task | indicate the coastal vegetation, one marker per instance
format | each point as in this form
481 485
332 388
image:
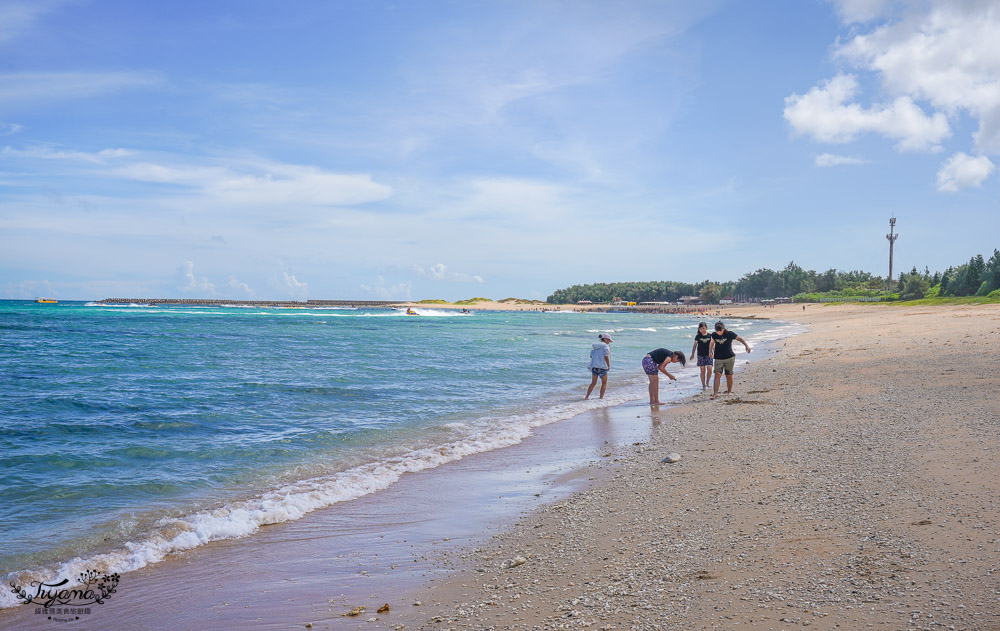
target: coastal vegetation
978 278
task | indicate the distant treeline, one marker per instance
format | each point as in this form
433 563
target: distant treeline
977 277
764 283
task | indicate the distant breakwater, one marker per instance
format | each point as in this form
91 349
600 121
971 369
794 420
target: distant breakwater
213 302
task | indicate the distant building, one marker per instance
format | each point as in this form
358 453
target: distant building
689 300
584 302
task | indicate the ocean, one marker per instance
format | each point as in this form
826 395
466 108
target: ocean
130 433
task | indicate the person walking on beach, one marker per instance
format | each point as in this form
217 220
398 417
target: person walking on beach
721 348
656 362
600 363
703 344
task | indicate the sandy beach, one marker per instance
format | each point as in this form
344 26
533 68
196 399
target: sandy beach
849 483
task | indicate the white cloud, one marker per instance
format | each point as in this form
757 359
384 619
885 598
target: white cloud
44 152
825 114
297 286
833 160
234 283
962 171
9 129
440 272
852 11
17 17
192 283
32 87
264 183
399 291
948 55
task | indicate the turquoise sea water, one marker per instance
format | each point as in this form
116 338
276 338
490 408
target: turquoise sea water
129 433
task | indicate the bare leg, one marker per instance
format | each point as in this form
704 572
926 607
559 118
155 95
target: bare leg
604 385
654 389
715 390
593 382
729 384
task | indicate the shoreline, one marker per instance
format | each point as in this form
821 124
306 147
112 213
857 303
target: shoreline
220 553
841 487
460 585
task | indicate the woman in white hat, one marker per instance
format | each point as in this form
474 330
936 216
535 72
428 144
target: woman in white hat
600 363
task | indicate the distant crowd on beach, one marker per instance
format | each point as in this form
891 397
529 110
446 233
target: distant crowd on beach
713 352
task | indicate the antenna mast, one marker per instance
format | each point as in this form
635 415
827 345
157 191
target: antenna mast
892 236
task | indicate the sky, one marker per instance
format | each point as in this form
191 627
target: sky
252 149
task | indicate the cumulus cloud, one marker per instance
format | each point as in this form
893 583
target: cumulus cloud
298 287
399 291
948 56
825 114
962 170
234 283
194 284
942 54
833 160
440 271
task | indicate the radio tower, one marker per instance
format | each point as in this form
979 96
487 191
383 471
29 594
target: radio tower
892 236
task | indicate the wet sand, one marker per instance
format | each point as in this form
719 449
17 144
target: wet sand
369 550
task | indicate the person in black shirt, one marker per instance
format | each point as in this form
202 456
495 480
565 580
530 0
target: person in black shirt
656 362
702 344
721 350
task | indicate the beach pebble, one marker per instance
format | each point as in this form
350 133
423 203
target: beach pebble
671 458
514 562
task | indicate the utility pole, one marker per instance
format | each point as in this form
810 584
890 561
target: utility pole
892 236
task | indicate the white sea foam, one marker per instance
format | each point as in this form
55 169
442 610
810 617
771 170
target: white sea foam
293 501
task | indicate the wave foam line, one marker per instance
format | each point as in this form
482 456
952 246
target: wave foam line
294 501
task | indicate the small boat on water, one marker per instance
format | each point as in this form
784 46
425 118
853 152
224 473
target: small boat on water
46 301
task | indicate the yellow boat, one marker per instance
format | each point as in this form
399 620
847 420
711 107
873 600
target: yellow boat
46 301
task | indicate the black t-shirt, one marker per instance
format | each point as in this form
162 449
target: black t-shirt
724 345
703 342
659 355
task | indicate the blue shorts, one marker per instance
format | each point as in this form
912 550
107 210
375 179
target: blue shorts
599 372
704 360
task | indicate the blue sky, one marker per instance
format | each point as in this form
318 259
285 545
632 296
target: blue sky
392 150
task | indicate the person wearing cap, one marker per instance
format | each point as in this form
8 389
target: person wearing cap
600 363
721 349
656 362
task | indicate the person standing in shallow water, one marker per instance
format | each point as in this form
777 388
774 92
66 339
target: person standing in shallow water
656 362
600 363
702 344
721 350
